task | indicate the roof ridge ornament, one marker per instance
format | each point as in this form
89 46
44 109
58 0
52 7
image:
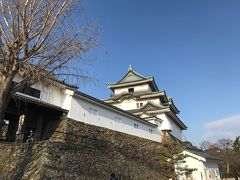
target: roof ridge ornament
130 68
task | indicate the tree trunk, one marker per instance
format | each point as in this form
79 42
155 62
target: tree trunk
228 169
5 95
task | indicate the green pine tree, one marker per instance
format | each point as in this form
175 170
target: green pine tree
236 144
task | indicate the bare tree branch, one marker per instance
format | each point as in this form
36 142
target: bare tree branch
38 40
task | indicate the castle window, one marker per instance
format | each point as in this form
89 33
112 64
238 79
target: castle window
139 105
117 120
150 131
131 90
135 125
29 91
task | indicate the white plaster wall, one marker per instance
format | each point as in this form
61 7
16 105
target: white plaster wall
68 95
155 101
144 115
49 93
201 165
198 174
168 124
211 166
176 131
127 104
139 88
90 113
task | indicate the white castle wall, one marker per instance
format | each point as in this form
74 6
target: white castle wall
87 112
129 104
138 88
168 124
84 111
91 113
49 93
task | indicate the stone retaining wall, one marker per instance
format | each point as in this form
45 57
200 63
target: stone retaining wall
80 151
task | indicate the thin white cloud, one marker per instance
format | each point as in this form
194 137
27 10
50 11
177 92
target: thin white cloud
228 127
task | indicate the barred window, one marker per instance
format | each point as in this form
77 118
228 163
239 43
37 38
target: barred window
136 126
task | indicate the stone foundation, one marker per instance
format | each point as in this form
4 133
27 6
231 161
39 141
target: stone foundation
80 151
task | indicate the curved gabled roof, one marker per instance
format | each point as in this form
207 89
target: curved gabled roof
133 78
201 153
151 106
171 104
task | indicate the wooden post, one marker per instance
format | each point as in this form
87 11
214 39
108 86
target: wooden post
20 130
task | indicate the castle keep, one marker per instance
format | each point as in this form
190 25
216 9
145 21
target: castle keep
141 96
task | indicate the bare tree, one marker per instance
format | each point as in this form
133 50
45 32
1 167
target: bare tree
38 41
224 150
205 145
225 144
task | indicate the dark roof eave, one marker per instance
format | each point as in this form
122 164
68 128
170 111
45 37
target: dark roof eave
155 85
177 120
135 73
164 97
174 107
62 83
202 154
149 80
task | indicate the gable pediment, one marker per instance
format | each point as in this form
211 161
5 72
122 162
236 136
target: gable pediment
126 96
128 100
151 107
131 76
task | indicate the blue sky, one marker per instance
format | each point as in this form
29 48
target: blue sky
192 48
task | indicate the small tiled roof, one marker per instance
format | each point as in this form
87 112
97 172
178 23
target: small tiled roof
148 107
171 104
176 119
152 118
132 78
151 106
199 152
